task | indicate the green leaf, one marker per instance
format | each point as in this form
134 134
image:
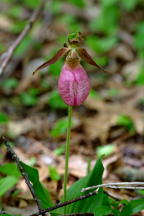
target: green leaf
3 118
41 192
90 204
60 150
10 169
7 183
78 3
31 3
17 27
133 207
28 99
140 78
59 128
53 173
126 122
71 22
112 92
105 150
55 101
6 215
138 38
55 68
10 83
106 3
101 45
15 11
129 4
107 21
26 43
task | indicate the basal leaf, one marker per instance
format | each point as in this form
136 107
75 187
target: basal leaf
7 183
133 207
92 203
41 192
10 169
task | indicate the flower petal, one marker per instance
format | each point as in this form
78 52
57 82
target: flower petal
73 85
58 55
86 57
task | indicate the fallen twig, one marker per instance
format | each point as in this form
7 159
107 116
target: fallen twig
6 57
59 205
118 185
25 176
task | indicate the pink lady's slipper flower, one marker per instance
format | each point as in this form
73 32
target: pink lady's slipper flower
73 83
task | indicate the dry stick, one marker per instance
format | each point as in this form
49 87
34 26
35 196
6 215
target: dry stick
6 57
59 205
25 176
118 185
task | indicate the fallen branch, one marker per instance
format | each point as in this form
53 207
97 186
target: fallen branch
118 185
6 57
59 205
25 176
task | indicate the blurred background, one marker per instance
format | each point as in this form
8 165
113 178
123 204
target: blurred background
32 114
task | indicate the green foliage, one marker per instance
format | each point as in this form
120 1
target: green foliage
13 176
95 94
140 77
59 128
15 11
18 26
55 68
100 45
126 122
71 22
60 150
55 101
129 4
138 39
32 3
97 204
56 7
6 215
7 183
10 169
105 150
2 47
107 3
132 207
79 3
107 21
10 83
3 118
24 46
113 92
101 60
29 98
41 192
53 173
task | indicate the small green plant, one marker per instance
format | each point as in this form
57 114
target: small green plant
3 118
59 128
126 122
53 173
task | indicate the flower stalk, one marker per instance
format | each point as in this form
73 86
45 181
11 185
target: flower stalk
67 151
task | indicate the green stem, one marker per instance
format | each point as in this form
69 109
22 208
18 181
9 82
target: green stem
67 150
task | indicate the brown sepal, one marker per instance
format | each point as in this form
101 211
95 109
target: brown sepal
86 57
58 55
